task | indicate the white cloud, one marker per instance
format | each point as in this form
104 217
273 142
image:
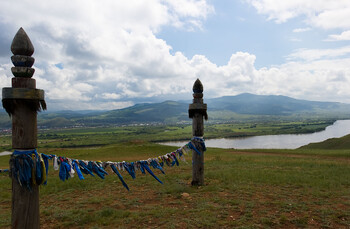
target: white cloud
344 36
318 54
5 79
326 79
108 49
110 96
322 13
321 74
333 18
319 79
193 10
111 56
301 30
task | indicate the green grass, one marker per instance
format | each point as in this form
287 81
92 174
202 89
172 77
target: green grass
304 188
332 143
304 151
260 189
99 136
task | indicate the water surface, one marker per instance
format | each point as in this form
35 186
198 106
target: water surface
283 141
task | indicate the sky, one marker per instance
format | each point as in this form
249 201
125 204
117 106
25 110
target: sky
111 54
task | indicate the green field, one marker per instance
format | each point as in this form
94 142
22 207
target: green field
304 188
99 136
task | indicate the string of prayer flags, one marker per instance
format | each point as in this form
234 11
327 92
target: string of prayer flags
28 168
31 167
119 176
200 145
77 169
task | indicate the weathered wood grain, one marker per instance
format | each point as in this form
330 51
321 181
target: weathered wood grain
198 111
21 101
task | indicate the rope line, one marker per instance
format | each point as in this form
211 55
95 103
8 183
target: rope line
31 168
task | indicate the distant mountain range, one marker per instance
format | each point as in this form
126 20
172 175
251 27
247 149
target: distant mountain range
273 105
243 107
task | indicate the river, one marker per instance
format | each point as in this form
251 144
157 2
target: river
339 128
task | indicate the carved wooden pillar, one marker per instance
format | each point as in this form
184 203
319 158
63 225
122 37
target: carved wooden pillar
22 101
197 110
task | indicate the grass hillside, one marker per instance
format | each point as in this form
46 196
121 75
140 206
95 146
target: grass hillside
332 143
282 189
303 188
165 112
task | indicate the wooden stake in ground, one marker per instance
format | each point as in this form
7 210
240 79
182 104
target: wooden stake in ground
22 101
197 110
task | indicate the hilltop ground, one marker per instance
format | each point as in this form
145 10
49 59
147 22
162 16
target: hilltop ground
289 189
243 189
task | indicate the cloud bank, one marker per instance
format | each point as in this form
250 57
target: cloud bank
106 54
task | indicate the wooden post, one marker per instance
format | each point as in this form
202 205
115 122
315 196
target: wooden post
22 101
197 110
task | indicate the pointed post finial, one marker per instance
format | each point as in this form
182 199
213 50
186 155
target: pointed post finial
197 86
21 44
22 49
198 99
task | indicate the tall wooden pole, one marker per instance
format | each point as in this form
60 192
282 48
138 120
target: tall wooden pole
197 110
22 101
